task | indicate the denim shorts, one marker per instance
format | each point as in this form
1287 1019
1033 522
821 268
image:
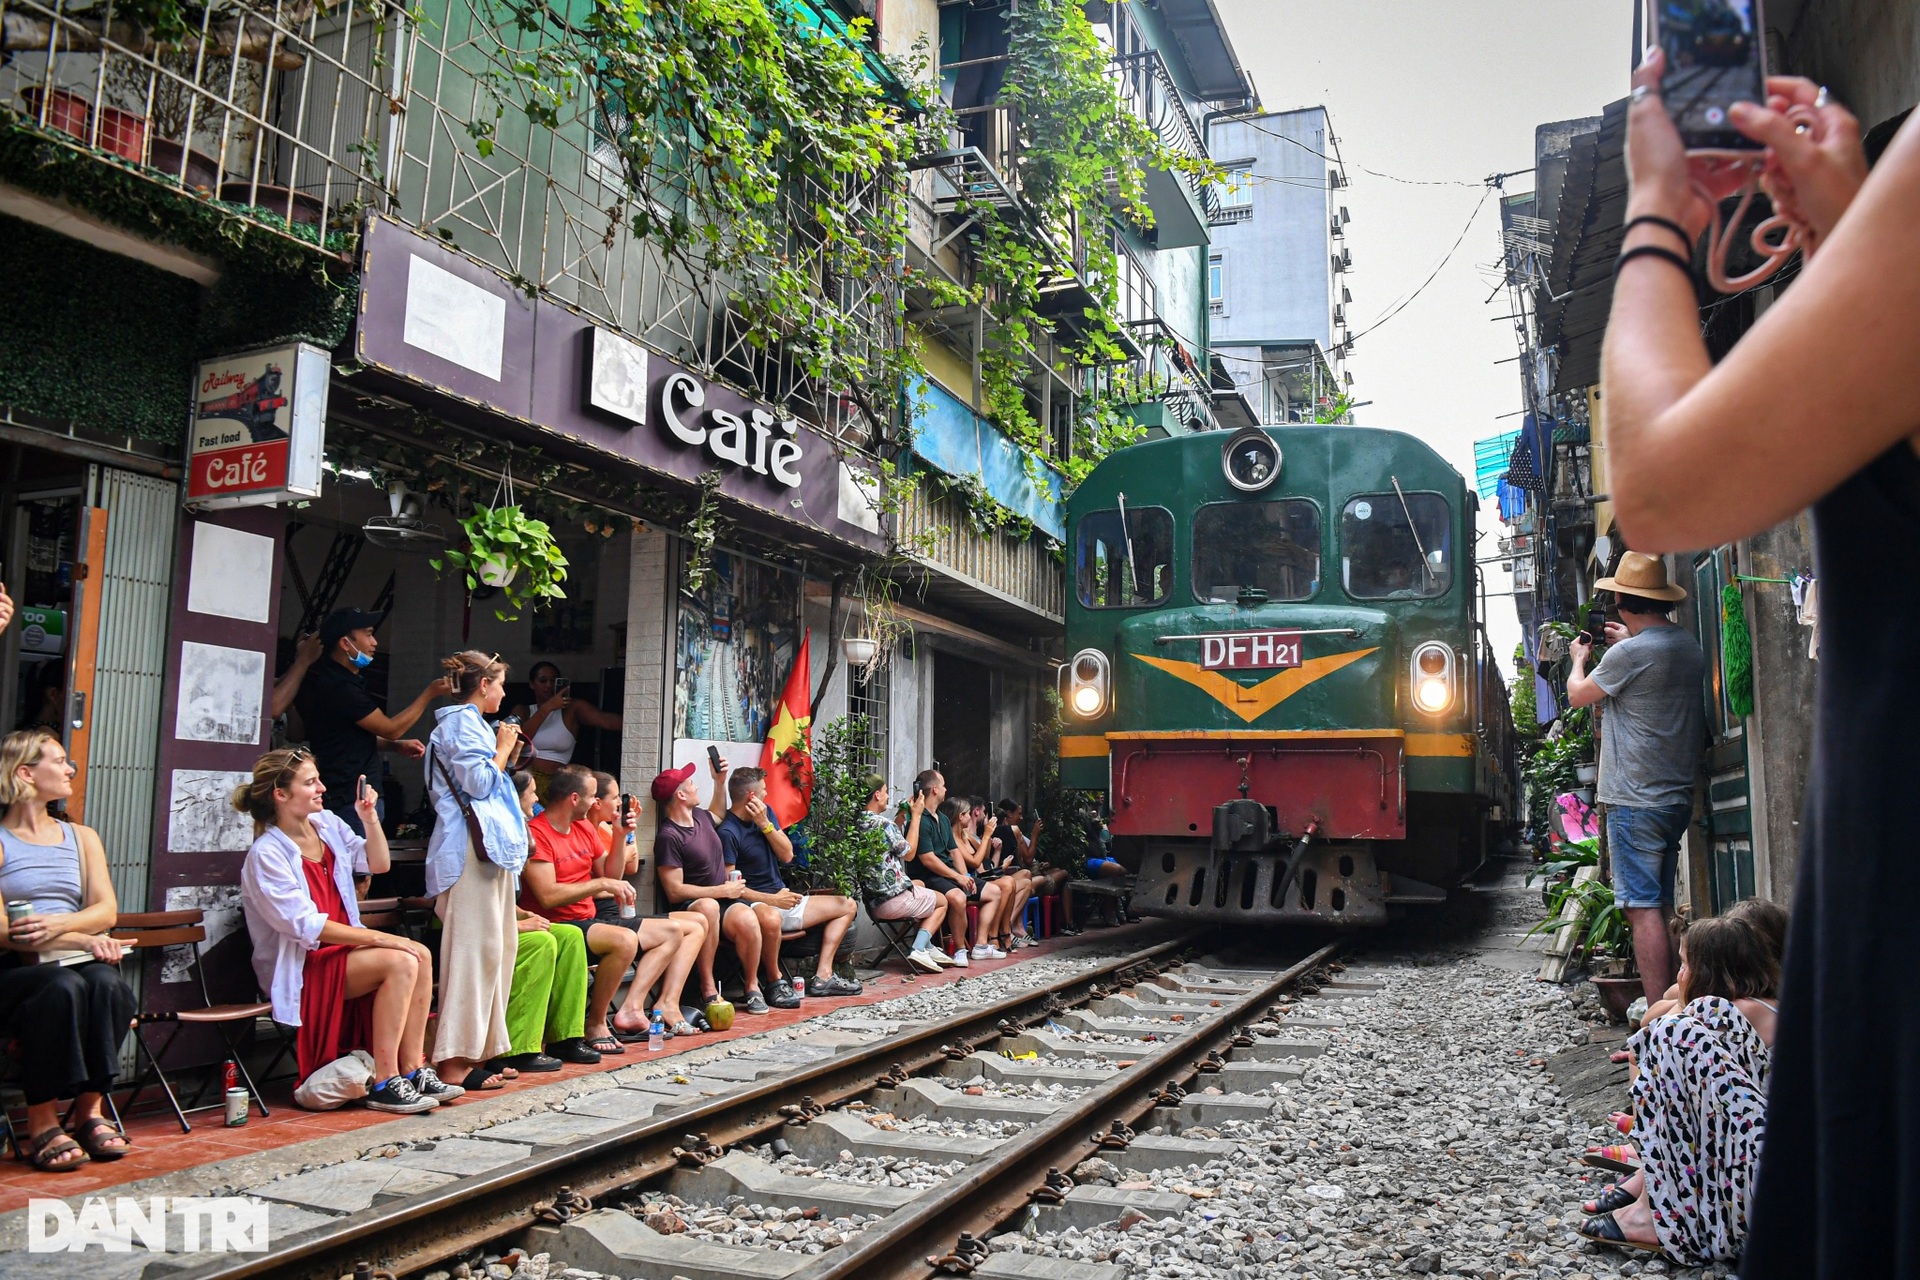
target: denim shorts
1644 847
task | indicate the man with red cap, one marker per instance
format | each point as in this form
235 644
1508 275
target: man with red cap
693 876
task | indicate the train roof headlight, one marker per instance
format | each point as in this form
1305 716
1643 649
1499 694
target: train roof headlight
1250 459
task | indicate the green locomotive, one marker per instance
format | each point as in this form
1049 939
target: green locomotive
1279 674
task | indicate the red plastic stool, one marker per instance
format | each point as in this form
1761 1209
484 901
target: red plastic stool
1046 914
973 922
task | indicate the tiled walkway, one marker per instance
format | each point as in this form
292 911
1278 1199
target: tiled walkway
160 1148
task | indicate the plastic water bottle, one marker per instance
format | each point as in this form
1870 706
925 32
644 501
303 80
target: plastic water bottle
656 1034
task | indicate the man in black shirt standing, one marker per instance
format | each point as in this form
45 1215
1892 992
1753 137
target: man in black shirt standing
345 725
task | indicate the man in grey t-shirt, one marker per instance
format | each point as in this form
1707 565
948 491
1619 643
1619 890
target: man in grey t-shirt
1651 731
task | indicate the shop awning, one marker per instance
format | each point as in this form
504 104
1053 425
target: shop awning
951 437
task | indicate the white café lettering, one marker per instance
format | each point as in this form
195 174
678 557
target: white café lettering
250 468
747 442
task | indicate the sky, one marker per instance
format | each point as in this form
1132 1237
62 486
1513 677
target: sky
1438 91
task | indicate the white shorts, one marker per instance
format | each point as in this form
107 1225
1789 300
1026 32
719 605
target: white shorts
792 918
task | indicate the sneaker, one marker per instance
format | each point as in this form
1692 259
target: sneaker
958 959
987 951
939 956
784 996
833 985
757 1003
399 1095
924 960
427 1082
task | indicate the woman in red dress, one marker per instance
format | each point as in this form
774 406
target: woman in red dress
343 986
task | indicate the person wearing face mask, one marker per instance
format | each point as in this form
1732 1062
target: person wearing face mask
346 726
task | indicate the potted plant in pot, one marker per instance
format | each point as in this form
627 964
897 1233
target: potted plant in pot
843 848
1601 930
508 549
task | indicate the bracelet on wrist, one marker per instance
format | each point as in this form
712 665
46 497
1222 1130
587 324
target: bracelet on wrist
1665 224
1653 251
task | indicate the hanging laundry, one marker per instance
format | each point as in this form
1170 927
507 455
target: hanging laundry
1806 609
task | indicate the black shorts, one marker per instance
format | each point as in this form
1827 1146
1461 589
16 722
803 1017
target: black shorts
607 911
943 886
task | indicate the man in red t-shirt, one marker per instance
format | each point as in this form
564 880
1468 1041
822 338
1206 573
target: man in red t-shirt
558 883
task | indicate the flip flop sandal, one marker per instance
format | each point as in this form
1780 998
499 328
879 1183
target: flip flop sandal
1609 1200
91 1138
45 1150
1605 1229
608 1044
477 1078
685 1029
502 1068
625 1037
1619 1158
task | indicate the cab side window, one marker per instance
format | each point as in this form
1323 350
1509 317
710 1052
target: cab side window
1124 561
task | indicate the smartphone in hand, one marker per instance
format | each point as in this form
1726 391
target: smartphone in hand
713 757
1716 56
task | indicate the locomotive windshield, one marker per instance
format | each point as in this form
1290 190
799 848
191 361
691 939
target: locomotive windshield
1124 561
1272 546
1392 549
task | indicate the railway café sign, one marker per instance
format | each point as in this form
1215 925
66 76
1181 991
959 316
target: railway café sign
259 427
431 317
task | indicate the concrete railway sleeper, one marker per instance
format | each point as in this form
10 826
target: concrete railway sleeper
898 1158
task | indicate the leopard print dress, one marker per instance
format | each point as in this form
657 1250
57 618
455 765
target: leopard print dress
1700 1116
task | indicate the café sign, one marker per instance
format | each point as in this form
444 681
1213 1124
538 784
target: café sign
259 427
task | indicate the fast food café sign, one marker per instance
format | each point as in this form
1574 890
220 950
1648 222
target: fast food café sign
258 429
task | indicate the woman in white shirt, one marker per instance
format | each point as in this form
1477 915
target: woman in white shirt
343 986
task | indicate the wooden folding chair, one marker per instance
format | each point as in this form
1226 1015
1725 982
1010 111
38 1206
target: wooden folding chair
146 930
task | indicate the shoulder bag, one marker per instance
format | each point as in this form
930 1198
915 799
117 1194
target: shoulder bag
474 832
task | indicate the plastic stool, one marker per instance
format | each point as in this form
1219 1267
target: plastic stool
1046 914
973 923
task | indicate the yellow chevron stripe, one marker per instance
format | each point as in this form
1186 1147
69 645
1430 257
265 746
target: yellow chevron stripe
1252 703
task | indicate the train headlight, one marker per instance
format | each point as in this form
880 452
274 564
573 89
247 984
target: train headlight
1250 459
1088 682
1431 676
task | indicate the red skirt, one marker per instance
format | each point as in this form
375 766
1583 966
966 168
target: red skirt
331 1025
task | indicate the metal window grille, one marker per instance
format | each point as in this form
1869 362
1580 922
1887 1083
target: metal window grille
867 698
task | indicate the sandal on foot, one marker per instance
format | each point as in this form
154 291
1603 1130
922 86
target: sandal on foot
1605 1229
606 1044
476 1080
503 1067
95 1132
1610 1199
1619 1158
45 1149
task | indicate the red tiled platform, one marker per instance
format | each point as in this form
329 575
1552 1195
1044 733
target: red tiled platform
160 1148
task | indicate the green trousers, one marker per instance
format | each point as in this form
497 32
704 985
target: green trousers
548 1002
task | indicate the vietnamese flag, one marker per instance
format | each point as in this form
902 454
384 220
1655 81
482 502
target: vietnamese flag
788 754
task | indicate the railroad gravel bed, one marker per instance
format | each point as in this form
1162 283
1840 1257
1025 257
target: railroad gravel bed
1428 1140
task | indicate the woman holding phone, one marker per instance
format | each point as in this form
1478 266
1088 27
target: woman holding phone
1809 408
467 760
343 986
552 724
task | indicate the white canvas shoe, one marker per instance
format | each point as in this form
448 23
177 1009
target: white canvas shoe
924 960
959 960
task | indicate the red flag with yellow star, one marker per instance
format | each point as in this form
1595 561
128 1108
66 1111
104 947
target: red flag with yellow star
788 754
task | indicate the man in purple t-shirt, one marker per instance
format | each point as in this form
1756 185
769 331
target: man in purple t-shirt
693 873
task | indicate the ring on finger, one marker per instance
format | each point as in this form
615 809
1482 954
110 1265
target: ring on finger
1640 91
1821 98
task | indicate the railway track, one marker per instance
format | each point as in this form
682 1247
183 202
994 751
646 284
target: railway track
981 1113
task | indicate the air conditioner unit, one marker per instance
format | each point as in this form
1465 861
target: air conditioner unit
1338 265
1346 294
1345 217
1339 315
1333 228
1346 259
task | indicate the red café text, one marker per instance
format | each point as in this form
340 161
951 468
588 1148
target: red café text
248 469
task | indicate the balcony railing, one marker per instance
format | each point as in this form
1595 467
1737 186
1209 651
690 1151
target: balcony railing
1021 571
299 117
1147 87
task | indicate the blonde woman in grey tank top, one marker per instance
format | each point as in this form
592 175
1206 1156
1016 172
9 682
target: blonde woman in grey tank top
61 993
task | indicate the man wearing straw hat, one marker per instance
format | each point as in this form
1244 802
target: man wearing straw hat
1650 740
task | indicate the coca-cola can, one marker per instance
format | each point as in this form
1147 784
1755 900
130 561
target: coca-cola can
237 1103
232 1075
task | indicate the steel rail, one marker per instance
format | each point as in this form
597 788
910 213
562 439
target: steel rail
994 1189
428 1229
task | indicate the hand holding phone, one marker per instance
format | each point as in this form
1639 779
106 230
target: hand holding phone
714 761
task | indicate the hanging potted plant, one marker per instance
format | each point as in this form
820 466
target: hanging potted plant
508 549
